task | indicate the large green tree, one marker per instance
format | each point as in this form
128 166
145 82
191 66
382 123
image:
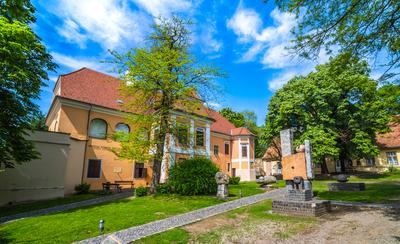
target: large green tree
158 79
24 63
337 107
363 27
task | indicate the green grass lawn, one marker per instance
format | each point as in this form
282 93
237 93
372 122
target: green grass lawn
248 217
82 223
29 206
383 188
380 188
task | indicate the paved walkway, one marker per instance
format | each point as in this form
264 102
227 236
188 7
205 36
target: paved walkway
365 205
65 207
138 232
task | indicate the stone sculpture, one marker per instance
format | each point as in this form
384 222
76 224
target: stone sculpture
222 180
297 171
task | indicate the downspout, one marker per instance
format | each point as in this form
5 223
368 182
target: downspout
86 142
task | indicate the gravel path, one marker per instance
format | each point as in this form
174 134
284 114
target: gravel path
137 232
65 207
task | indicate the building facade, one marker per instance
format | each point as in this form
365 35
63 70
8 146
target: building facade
87 105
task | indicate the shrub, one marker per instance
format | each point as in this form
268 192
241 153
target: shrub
164 188
193 176
82 188
234 180
141 191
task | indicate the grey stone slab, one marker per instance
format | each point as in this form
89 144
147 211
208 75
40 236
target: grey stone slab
66 207
141 231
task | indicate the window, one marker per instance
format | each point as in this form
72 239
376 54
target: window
94 168
182 135
216 149
370 161
122 127
229 167
200 137
140 170
227 148
244 150
392 158
98 128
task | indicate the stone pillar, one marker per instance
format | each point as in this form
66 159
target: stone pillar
208 142
287 142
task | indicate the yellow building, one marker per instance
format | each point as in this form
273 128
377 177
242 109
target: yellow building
87 105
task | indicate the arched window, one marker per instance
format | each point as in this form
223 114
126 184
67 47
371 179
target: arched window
98 128
122 127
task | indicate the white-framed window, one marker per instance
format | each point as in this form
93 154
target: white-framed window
183 135
122 127
200 137
94 168
98 128
392 158
226 147
244 148
370 161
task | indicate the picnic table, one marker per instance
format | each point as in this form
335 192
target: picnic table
107 186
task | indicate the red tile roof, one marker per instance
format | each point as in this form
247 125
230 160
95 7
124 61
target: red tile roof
390 139
273 151
93 87
241 131
221 124
89 86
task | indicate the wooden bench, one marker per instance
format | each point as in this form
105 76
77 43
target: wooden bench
108 185
125 182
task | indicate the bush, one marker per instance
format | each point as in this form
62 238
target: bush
193 176
82 188
164 188
234 180
141 191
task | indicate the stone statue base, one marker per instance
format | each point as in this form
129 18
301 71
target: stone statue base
222 191
340 186
313 208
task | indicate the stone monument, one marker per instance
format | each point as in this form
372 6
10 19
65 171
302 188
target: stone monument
222 182
297 171
343 185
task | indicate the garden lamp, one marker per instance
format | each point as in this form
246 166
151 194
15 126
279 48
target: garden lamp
101 225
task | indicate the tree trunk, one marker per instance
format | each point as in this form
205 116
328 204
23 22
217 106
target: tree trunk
324 167
342 159
164 129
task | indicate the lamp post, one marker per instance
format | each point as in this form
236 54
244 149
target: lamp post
101 226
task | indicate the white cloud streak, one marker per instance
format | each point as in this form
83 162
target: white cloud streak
110 23
269 45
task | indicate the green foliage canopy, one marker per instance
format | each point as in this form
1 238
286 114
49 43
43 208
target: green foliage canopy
24 64
157 80
362 27
337 107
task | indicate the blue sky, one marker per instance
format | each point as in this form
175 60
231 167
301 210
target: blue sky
244 38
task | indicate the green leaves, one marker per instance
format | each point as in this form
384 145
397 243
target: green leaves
24 64
338 108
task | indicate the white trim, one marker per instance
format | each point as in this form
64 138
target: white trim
208 141
87 168
191 137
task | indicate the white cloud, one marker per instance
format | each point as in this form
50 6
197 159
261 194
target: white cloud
268 45
111 23
213 105
209 43
78 62
164 7
245 23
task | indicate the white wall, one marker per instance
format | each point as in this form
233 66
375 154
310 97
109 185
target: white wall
39 179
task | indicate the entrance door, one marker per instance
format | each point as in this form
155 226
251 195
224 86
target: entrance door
338 166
